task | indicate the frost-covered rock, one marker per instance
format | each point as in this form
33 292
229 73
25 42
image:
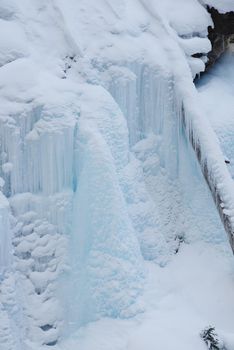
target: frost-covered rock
221 34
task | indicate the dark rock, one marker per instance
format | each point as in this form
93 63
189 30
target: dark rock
211 339
46 327
52 343
179 239
221 35
198 55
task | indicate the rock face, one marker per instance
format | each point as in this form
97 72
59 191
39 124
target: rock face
221 35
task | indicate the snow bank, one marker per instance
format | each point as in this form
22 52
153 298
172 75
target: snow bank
187 18
93 153
185 294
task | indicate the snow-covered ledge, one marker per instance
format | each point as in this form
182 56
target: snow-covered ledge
205 144
213 166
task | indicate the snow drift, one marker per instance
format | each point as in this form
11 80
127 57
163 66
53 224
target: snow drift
96 164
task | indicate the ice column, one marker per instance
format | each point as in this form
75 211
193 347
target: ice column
107 266
5 234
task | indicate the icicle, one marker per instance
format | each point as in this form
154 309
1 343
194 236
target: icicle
5 234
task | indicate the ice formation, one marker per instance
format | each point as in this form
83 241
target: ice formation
5 245
96 166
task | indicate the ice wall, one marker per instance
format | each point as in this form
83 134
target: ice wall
95 161
147 87
5 234
168 163
107 262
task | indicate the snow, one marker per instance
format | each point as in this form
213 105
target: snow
13 42
115 236
5 234
178 311
222 6
218 86
192 19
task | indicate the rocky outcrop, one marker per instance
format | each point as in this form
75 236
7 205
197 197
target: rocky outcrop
221 35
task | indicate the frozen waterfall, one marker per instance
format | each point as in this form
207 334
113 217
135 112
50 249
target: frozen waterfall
5 234
102 148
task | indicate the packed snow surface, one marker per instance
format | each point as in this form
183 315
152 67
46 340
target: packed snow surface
109 238
196 290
